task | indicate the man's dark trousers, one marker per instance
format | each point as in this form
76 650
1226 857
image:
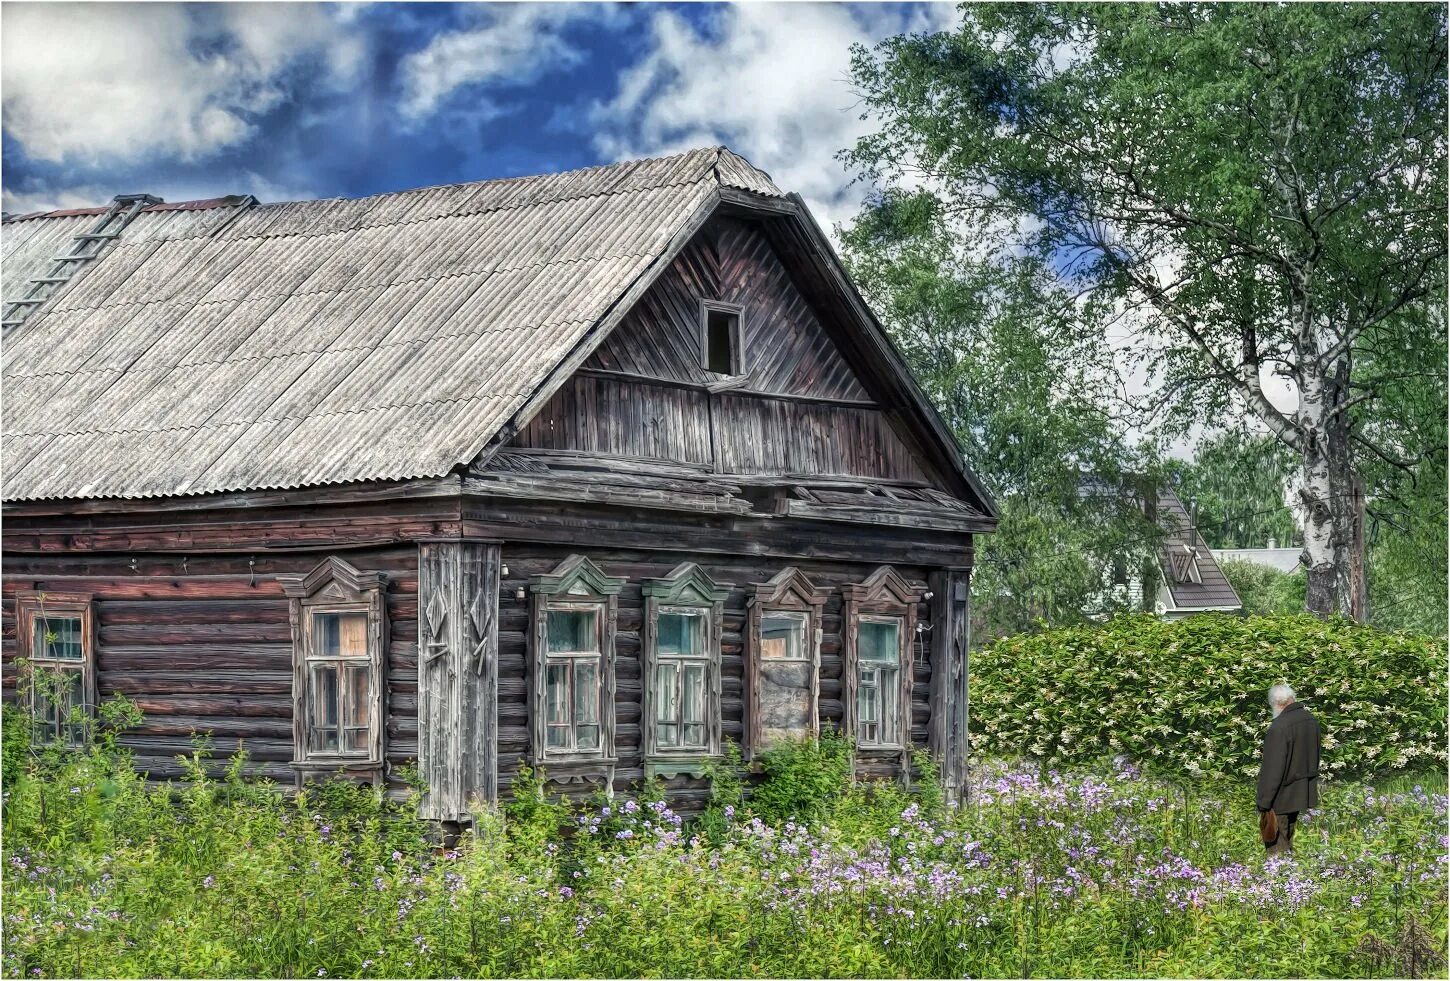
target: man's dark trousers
1289 772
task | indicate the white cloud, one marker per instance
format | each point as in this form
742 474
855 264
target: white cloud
770 80
123 81
512 44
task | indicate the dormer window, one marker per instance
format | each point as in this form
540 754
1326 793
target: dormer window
720 338
1185 565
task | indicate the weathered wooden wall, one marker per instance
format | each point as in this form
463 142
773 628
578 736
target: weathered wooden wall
798 408
525 560
200 640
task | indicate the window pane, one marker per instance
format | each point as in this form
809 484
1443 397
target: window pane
693 710
340 634
879 641
556 697
56 693
682 633
586 692
782 637
666 692
571 631
323 710
359 709
588 736
58 638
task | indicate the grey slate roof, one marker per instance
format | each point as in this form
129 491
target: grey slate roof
1214 591
315 342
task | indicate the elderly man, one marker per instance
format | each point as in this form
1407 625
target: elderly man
1288 771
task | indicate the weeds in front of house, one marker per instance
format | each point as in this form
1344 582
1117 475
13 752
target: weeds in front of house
1041 874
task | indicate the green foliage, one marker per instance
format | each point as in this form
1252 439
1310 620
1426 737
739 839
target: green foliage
997 346
1237 481
1089 874
1265 591
1190 696
802 780
1228 195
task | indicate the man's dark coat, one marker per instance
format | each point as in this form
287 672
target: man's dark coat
1289 771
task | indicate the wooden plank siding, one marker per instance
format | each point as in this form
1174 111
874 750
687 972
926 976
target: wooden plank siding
210 651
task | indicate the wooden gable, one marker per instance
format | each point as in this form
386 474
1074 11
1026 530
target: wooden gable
798 406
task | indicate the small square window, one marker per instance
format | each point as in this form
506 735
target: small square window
720 339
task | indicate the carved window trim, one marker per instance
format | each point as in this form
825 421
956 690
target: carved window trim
883 594
33 609
335 586
575 584
686 589
788 591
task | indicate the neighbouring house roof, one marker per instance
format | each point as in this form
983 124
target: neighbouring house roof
228 345
1283 559
1191 576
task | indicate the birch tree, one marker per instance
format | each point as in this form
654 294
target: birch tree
1259 189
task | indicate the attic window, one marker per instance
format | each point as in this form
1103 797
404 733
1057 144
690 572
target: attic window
720 347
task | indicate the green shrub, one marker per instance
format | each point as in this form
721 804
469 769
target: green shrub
802 780
1190 696
1265 591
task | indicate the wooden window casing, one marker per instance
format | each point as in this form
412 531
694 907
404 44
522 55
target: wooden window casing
577 588
788 598
55 634
339 638
675 739
883 601
722 325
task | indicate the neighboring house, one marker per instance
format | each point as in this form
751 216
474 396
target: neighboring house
1192 580
591 471
1179 577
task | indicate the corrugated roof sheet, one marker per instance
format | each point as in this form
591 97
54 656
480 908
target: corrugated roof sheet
1213 592
278 346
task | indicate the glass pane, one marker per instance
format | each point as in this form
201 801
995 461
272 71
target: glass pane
588 736
323 712
586 693
359 709
58 638
571 631
558 736
556 697
782 637
879 641
867 697
667 735
694 693
682 634
340 634
666 691
56 694
890 706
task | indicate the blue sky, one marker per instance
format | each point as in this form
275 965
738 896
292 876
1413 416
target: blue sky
290 101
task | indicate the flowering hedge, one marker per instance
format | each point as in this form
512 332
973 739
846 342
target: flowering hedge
1190 696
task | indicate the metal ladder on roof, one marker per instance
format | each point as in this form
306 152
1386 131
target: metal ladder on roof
85 247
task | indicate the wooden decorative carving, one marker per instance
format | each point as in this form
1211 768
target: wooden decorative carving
788 592
577 584
884 594
687 589
458 584
334 586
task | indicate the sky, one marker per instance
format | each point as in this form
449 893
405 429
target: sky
289 101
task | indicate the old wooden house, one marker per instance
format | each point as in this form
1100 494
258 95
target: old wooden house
594 471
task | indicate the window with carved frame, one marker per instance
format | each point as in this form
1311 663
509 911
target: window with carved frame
879 623
55 637
783 660
682 631
339 648
574 612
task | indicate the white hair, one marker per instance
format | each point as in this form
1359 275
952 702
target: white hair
1280 695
